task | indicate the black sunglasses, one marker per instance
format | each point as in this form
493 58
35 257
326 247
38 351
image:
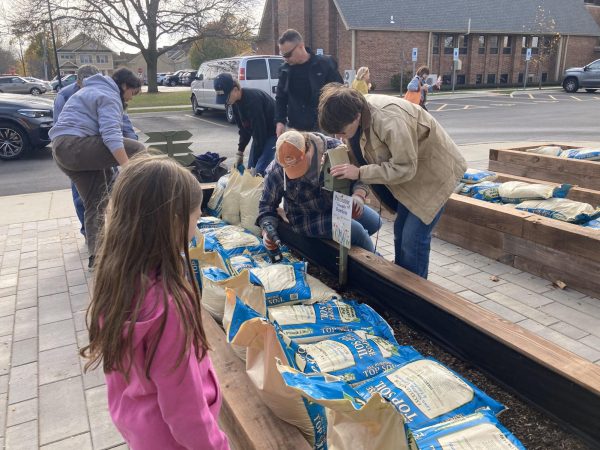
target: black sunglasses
286 55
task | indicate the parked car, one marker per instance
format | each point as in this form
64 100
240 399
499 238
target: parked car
18 85
173 79
160 77
259 72
65 80
37 80
586 77
186 78
24 124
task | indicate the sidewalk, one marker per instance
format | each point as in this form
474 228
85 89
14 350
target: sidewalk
47 402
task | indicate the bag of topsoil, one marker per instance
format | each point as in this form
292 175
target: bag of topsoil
561 209
548 150
477 431
589 154
519 191
230 210
209 223
353 357
250 195
311 323
486 190
232 240
283 283
473 176
423 391
215 203
592 224
352 422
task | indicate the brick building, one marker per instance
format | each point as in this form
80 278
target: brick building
492 36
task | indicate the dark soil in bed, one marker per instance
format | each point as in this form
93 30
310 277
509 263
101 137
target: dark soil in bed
533 428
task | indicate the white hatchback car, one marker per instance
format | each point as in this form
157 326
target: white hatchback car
258 72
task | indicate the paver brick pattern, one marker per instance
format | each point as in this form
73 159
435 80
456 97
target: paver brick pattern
46 401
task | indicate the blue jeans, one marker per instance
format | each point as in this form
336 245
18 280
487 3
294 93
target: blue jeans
412 241
79 208
362 228
268 154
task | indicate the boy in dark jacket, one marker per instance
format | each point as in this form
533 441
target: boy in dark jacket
301 78
254 112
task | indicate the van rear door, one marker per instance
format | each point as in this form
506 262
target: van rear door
257 75
274 65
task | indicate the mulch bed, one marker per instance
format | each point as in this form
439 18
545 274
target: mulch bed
533 428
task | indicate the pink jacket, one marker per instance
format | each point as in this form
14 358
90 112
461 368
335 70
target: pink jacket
174 409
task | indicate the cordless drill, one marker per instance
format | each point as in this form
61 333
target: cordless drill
271 231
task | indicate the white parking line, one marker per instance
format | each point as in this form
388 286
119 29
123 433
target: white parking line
207 121
552 97
576 98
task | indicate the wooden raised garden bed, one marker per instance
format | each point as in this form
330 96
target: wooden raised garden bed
517 161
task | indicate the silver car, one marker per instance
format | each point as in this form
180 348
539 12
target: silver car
586 77
19 85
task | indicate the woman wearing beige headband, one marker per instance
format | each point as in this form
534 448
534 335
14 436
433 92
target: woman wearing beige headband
362 82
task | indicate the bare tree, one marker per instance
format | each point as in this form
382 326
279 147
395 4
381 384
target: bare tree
544 28
144 24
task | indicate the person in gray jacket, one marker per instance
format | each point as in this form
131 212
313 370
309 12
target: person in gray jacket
87 142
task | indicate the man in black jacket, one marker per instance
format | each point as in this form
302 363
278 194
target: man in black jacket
301 78
254 112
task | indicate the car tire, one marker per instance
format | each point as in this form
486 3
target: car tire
571 85
14 142
173 83
229 114
591 91
35 91
195 107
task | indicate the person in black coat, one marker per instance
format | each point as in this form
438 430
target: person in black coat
301 79
254 112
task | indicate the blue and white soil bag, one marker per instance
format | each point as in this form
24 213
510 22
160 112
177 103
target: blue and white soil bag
474 176
477 431
520 191
353 356
310 323
561 209
283 283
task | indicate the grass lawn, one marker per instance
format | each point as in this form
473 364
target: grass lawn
161 99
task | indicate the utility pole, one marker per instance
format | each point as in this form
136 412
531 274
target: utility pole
45 46
54 46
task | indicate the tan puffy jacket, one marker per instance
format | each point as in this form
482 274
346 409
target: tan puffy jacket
408 151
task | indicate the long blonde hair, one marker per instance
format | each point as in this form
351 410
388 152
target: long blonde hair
362 72
145 232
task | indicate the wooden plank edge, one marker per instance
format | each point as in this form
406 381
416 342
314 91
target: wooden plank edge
247 421
564 385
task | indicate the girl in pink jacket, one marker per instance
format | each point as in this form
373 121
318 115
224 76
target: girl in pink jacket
145 323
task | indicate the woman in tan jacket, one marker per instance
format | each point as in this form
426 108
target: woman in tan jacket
405 155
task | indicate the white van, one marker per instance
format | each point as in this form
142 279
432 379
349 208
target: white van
258 72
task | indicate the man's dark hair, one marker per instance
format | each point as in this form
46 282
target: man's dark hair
338 107
125 76
290 35
422 71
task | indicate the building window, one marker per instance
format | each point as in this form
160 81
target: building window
544 77
71 57
85 59
535 44
521 77
523 45
479 78
448 45
463 44
507 45
491 78
436 44
461 79
504 78
447 79
481 45
493 45
102 59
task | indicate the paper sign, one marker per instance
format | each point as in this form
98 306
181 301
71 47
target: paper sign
319 51
415 53
528 54
342 219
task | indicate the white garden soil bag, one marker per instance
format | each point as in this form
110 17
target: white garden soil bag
250 195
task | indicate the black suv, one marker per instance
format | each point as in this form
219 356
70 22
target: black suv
173 79
24 124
